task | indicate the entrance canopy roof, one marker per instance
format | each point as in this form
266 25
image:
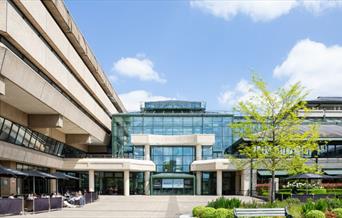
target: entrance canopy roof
170 140
173 176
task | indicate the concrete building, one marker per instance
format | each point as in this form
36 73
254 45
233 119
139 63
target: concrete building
55 100
59 113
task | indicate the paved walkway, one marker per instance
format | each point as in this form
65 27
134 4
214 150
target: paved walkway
133 207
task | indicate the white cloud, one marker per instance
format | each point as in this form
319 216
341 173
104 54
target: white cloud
243 91
318 67
133 100
262 10
137 67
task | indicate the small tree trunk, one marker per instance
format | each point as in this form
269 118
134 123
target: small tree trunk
272 186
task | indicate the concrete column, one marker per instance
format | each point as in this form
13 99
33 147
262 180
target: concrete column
147 182
246 181
9 185
198 152
91 181
198 182
2 86
126 183
219 182
53 182
147 152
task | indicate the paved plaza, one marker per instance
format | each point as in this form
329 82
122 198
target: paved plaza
133 207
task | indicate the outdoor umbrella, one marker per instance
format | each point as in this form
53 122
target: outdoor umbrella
39 174
64 176
308 176
7 172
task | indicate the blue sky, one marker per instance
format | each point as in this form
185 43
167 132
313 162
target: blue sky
206 50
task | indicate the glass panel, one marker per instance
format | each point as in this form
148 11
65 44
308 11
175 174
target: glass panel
5 130
20 136
14 132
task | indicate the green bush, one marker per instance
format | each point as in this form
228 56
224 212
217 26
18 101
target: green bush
224 213
208 212
225 203
315 214
334 203
318 191
308 206
197 211
338 212
321 204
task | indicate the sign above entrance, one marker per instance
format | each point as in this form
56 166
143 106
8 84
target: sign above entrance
173 183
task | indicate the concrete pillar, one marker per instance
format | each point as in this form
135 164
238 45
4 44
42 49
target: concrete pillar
147 182
147 152
219 182
246 181
2 86
45 121
198 182
126 183
9 185
53 183
91 180
198 152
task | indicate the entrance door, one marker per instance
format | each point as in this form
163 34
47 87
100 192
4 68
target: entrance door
172 186
228 183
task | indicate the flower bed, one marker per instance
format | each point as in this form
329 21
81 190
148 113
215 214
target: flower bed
223 208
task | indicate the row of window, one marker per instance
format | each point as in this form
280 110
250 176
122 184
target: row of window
17 134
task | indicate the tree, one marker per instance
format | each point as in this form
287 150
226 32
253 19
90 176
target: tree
272 127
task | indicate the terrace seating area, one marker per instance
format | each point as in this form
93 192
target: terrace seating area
44 202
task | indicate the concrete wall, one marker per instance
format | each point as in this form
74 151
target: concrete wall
70 29
44 22
13 114
29 81
25 155
30 44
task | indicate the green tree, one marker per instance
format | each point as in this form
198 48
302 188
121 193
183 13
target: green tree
272 127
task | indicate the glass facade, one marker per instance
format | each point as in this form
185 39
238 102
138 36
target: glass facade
160 122
109 183
172 159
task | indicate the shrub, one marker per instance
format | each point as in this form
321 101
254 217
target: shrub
334 203
338 212
318 191
295 210
322 205
197 211
308 206
315 214
208 212
224 213
217 203
225 203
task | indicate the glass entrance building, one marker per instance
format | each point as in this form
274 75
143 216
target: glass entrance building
173 174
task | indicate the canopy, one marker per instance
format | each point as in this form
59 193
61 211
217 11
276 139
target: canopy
173 175
60 175
36 173
333 172
269 173
11 172
310 176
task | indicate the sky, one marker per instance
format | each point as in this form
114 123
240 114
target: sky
208 50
